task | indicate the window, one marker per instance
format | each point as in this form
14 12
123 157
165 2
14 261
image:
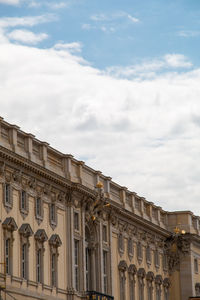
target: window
158 283
196 265
165 262
150 279
24 261
148 255
39 265
23 200
121 244
9 226
122 279
76 264
132 270
76 221
139 252
54 243
53 269
130 248
156 258
38 207
105 271
7 256
53 212
87 267
40 239
7 194
104 233
141 275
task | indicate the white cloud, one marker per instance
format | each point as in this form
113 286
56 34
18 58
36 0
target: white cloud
149 68
177 61
27 37
145 134
25 21
188 33
10 2
133 19
72 47
102 17
52 5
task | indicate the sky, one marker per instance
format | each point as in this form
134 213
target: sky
114 83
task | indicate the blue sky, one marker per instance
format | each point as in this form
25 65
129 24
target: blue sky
115 83
117 33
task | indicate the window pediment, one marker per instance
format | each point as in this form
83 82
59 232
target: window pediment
9 224
55 241
41 235
26 230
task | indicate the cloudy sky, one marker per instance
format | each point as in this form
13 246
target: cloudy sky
115 83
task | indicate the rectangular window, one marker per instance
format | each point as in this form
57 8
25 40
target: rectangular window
23 200
76 264
53 270
39 265
104 233
196 265
38 207
105 272
87 267
53 212
24 261
7 255
76 221
7 194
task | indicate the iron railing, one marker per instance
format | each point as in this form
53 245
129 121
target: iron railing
92 295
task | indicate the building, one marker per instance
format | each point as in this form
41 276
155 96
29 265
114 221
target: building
69 232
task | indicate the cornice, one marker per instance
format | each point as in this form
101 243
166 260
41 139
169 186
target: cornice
126 215
27 164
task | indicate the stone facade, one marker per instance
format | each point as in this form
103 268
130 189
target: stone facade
69 232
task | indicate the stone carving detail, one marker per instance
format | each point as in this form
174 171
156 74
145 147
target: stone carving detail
150 276
17 176
9 224
176 246
32 183
132 269
40 237
26 230
141 273
95 207
122 266
166 284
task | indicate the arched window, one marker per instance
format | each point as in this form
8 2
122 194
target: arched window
9 226
40 238
54 243
25 232
141 275
122 279
150 279
166 285
132 270
158 282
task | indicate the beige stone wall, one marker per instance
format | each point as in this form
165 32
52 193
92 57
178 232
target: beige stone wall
30 219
